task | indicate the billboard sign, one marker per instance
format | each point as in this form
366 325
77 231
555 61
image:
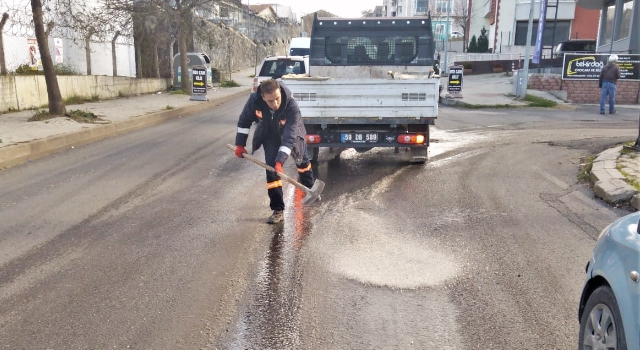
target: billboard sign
455 79
588 66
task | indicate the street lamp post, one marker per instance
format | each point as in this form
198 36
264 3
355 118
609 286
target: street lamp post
446 40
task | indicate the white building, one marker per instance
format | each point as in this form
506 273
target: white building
506 22
443 13
21 48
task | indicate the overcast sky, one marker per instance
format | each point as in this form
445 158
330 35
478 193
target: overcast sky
342 8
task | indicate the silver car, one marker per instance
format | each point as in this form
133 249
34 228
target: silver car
609 310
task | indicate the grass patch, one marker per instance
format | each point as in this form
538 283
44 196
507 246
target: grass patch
168 107
229 83
178 92
628 151
531 100
42 115
75 99
584 173
535 101
628 178
77 115
83 116
474 106
252 76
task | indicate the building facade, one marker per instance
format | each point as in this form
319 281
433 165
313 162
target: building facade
507 23
619 24
445 14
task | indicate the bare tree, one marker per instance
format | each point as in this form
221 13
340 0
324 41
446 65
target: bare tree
3 64
87 47
461 18
56 105
114 58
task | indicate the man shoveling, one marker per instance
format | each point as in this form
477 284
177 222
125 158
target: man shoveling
282 134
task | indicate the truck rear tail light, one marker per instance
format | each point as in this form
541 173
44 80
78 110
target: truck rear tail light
414 139
313 139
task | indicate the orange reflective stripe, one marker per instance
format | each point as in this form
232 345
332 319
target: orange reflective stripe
304 170
274 184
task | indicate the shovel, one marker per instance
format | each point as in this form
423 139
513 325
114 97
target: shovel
312 194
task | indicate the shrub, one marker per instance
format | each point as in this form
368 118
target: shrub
483 41
473 45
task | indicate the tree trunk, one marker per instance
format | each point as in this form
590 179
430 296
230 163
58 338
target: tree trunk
156 60
171 59
87 48
3 64
184 68
114 60
56 105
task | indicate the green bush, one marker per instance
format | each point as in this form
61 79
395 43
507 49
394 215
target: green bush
483 41
25 69
473 45
229 83
61 69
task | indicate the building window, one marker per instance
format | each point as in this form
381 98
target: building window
608 16
422 6
399 10
439 29
562 32
442 6
624 24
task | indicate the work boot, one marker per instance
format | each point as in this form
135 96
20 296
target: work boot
276 217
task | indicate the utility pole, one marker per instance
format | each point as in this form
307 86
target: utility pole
255 66
446 41
523 80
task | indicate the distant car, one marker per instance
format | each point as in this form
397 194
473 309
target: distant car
277 66
575 46
609 309
455 34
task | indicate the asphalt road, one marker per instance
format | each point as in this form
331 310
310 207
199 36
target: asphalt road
156 240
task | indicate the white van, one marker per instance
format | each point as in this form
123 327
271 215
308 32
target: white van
299 46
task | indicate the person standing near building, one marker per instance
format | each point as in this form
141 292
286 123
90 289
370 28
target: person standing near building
281 132
609 76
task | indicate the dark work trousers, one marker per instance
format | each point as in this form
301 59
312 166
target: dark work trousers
274 183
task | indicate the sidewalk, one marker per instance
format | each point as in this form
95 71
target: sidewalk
22 141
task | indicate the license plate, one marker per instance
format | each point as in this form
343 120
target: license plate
357 137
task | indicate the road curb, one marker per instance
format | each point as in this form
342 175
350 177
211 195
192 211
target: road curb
24 152
609 183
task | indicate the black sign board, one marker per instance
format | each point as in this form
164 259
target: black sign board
588 66
199 81
455 79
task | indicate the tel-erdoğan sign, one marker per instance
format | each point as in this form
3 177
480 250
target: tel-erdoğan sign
588 66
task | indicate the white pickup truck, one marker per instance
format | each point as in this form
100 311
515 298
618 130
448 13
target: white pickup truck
369 85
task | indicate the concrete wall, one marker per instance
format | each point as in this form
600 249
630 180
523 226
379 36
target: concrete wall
26 92
584 91
232 51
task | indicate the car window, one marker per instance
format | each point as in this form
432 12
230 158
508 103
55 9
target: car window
278 68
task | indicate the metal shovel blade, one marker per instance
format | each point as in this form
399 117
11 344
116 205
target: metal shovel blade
314 192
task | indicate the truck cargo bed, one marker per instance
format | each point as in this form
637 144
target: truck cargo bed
409 100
